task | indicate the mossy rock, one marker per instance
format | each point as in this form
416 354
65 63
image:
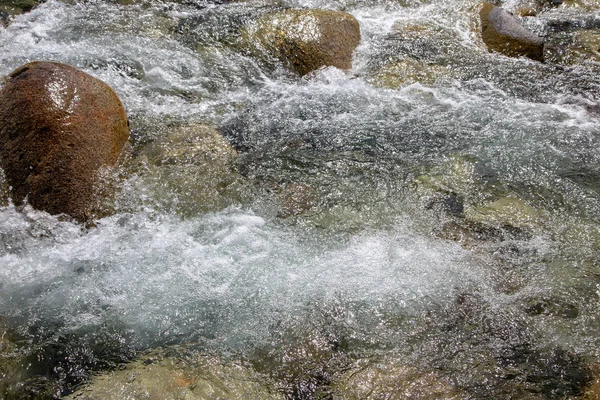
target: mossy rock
506 212
407 71
174 373
458 176
190 170
306 39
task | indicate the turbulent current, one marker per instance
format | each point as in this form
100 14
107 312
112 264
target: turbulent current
448 222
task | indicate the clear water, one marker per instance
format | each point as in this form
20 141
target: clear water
371 262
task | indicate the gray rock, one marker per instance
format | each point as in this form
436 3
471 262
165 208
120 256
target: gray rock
503 33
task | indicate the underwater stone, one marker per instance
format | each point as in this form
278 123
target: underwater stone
177 373
523 8
308 39
390 379
406 72
10 8
503 33
296 199
59 127
507 211
573 48
191 170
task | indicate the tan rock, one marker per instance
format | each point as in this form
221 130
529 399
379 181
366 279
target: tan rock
507 211
163 375
58 128
308 39
406 72
191 170
392 380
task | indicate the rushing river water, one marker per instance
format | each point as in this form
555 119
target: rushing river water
354 212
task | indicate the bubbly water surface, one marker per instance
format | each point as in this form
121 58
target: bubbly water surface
366 262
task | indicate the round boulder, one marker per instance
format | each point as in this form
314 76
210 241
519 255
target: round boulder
308 39
59 127
503 33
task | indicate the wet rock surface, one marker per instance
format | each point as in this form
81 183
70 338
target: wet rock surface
177 373
11 8
406 72
189 170
59 128
307 39
391 379
359 201
573 48
501 32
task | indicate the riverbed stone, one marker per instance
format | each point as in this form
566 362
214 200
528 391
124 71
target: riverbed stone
10 8
407 71
296 199
523 8
59 128
175 373
390 379
503 33
507 211
574 48
307 39
190 170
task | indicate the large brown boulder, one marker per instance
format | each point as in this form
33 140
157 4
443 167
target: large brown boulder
503 33
58 128
308 39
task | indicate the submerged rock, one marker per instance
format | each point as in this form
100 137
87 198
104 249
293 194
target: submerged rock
307 39
59 128
507 211
4 190
573 48
392 380
592 391
16 383
503 33
177 373
10 8
190 170
406 72
296 199
523 8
